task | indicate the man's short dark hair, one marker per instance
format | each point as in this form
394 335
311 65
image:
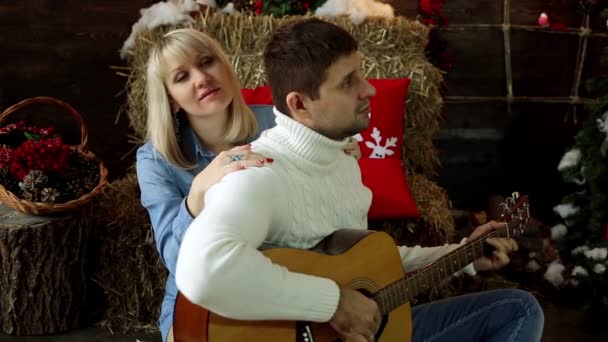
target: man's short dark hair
298 55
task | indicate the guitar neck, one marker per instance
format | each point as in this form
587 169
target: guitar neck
425 278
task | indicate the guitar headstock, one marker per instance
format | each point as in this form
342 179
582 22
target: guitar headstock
516 213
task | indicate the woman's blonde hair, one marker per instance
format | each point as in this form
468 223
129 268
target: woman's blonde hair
161 129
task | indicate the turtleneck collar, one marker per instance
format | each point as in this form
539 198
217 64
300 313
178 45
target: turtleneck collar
304 142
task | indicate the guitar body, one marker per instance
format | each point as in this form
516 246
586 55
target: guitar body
361 260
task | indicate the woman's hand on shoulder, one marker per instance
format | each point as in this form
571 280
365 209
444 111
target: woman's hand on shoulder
236 159
352 148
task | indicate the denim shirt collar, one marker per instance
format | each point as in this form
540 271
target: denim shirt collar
196 149
193 144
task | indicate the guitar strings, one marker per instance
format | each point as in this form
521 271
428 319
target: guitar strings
392 296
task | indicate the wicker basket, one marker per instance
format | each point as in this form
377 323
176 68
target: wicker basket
41 208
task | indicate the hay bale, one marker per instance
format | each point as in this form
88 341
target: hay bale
394 48
128 270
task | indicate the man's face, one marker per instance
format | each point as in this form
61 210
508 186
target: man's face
342 109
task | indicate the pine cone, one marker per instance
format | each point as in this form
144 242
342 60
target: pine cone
74 189
90 182
35 179
49 195
82 177
32 196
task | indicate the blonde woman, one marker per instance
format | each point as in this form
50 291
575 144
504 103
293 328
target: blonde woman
198 130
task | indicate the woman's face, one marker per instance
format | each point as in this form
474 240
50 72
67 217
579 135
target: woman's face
199 84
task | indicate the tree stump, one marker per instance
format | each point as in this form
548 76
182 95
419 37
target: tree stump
42 271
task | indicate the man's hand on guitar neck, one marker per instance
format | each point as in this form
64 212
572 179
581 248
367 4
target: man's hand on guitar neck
356 318
502 247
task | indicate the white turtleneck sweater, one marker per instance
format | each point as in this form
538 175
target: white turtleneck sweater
311 190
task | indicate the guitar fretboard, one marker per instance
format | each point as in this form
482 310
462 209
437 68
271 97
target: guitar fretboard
426 278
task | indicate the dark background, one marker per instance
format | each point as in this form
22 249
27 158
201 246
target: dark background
68 49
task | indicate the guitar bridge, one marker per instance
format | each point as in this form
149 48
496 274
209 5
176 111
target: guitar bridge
304 330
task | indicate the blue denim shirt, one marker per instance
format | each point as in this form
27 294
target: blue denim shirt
164 188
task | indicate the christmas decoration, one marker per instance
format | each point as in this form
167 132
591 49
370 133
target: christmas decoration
356 10
280 8
36 165
436 49
543 20
169 12
582 239
554 22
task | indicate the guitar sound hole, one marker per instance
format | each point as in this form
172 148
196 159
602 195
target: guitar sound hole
365 293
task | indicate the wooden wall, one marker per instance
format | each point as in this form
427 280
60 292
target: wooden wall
65 49
487 148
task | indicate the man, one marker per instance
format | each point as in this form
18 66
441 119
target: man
312 190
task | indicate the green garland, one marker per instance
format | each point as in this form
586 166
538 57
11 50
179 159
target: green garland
279 8
587 268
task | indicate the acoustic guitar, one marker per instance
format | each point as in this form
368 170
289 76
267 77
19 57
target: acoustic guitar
367 261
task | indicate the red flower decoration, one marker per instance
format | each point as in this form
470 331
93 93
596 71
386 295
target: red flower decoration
25 148
46 155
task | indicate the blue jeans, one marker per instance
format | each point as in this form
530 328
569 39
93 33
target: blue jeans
494 316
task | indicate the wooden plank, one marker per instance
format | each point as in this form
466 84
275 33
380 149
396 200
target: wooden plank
65 49
473 12
472 191
527 11
543 63
404 8
525 158
592 66
478 63
533 146
474 116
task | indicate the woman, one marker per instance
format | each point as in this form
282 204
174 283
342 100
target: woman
197 125
196 120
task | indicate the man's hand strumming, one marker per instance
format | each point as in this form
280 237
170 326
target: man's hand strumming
356 318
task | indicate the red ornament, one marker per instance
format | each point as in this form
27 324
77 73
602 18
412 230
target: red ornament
543 20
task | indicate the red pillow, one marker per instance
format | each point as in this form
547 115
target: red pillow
391 194
381 146
260 96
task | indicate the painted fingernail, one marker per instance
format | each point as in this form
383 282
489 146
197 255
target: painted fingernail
241 167
259 161
270 160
